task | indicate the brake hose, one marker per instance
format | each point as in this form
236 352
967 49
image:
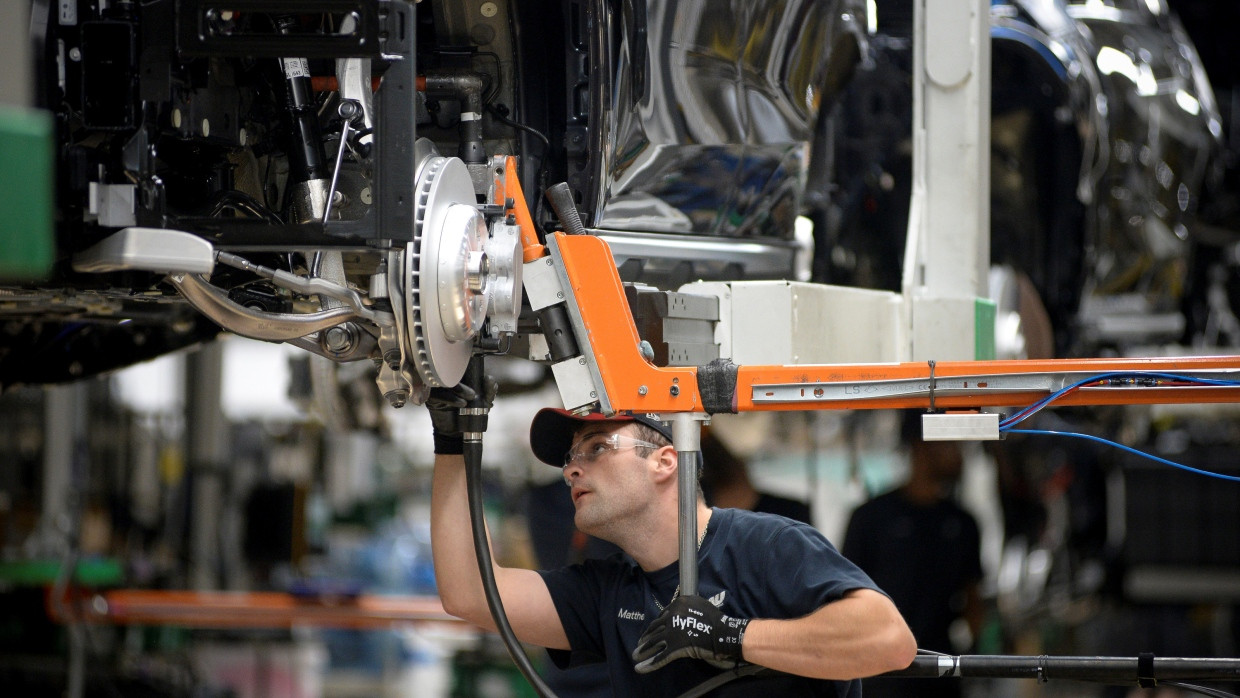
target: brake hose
474 423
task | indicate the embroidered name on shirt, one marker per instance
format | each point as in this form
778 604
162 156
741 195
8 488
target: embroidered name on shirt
631 615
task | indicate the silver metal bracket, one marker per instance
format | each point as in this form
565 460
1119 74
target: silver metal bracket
981 426
148 249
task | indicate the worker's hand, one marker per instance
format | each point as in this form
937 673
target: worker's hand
690 626
444 405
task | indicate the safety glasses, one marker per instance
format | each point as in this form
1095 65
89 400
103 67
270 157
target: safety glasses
594 447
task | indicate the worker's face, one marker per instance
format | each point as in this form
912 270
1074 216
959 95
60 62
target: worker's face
613 485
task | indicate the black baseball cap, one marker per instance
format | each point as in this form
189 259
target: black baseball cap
551 432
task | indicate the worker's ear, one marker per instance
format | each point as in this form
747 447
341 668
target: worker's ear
665 463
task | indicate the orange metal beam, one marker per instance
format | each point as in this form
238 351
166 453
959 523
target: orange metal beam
632 383
856 380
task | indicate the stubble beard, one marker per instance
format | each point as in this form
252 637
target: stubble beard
592 519
605 517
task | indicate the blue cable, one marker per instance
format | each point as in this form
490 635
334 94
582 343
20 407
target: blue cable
1129 449
1029 411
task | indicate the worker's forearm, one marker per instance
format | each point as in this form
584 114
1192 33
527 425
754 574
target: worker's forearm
523 593
855 637
452 543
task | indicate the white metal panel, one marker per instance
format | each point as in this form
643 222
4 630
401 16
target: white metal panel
944 328
762 327
781 322
951 39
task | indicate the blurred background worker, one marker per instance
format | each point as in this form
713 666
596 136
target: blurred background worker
923 549
726 483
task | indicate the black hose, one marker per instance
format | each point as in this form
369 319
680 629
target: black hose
561 197
473 479
1203 690
715 682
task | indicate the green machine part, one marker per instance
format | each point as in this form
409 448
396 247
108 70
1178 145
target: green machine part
27 156
27 193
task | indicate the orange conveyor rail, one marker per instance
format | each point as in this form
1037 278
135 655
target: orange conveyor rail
223 609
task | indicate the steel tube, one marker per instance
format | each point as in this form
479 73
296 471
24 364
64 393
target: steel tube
1119 670
687 439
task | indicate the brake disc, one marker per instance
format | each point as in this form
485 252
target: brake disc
446 270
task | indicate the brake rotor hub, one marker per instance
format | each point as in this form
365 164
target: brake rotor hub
446 272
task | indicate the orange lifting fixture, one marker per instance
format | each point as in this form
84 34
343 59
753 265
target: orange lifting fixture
630 382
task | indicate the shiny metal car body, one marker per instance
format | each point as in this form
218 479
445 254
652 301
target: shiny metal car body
709 132
1164 131
1104 134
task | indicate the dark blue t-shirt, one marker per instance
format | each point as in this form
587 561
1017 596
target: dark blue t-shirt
750 565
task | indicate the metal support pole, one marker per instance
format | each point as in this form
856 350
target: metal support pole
64 431
687 440
64 483
207 449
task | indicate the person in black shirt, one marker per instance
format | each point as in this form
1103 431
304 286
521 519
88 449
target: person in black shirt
773 592
924 550
557 542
